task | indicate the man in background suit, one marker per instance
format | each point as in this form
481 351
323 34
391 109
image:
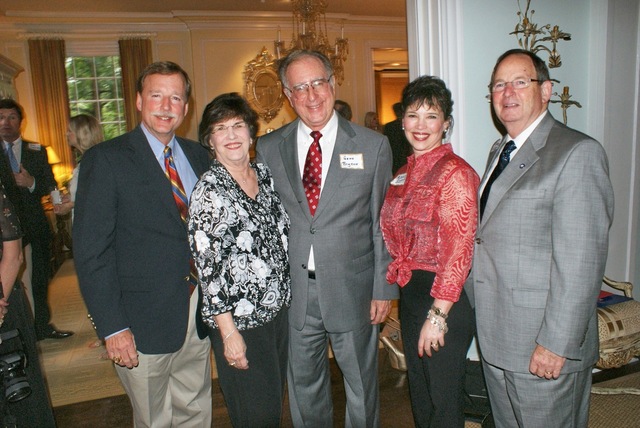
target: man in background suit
400 147
27 176
337 255
541 248
133 260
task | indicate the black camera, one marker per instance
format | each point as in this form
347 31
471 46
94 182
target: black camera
13 361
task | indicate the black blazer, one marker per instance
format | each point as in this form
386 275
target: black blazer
130 245
28 205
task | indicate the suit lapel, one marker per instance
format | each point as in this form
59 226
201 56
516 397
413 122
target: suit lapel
336 174
289 154
159 184
197 165
523 160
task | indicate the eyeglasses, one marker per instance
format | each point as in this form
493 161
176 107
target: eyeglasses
220 129
302 90
515 84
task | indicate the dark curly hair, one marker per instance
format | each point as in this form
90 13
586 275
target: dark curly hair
225 107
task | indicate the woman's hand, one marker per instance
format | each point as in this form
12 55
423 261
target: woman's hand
235 351
431 334
431 338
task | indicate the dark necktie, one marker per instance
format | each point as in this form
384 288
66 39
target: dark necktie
502 164
182 202
312 174
15 166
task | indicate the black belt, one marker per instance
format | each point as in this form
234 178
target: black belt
312 274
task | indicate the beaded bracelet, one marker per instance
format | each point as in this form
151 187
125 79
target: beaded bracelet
442 325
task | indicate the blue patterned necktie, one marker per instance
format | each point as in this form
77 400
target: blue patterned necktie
180 197
505 157
15 166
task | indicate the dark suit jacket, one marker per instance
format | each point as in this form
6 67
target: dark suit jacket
130 245
400 147
350 256
28 205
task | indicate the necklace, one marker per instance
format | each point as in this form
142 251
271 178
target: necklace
244 180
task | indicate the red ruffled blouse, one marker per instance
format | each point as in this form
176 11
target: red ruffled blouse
429 220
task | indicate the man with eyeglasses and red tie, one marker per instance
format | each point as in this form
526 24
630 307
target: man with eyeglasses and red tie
546 205
332 176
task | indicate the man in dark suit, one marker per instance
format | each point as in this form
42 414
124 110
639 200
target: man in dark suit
400 147
337 254
540 254
27 176
133 261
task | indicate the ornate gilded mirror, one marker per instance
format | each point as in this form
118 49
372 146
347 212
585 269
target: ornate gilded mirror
262 88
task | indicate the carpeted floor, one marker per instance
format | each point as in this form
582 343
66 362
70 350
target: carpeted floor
86 392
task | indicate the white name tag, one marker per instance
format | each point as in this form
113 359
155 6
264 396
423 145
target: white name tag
33 146
351 161
399 180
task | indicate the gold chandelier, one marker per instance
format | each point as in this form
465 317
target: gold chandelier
310 32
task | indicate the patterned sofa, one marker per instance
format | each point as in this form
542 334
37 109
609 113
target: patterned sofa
619 329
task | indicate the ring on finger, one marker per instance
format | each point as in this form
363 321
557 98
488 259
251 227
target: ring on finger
232 363
548 373
117 360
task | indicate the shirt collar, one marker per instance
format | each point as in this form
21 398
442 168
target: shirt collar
520 139
17 142
329 131
156 145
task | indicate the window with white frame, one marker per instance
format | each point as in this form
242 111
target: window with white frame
95 88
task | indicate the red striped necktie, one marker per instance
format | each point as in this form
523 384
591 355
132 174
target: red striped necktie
180 197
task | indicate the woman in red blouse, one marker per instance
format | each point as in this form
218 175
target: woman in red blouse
429 221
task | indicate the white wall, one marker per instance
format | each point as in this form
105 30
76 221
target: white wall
486 28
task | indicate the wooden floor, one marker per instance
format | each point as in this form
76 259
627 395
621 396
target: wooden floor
116 411
85 391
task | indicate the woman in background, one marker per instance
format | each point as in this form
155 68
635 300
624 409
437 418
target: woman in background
428 221
84 131
238 233
371 121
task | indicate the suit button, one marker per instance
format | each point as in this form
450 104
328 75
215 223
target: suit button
304 266
186 278
313 230
478 241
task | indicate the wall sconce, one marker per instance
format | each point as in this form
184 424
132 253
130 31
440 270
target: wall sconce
527 33
530 32
565 102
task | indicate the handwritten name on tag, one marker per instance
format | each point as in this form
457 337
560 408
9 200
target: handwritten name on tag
399 180
351 161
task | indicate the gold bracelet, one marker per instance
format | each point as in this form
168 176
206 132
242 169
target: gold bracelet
228 335
438 312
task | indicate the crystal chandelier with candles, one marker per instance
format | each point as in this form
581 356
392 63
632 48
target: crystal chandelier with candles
310 32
